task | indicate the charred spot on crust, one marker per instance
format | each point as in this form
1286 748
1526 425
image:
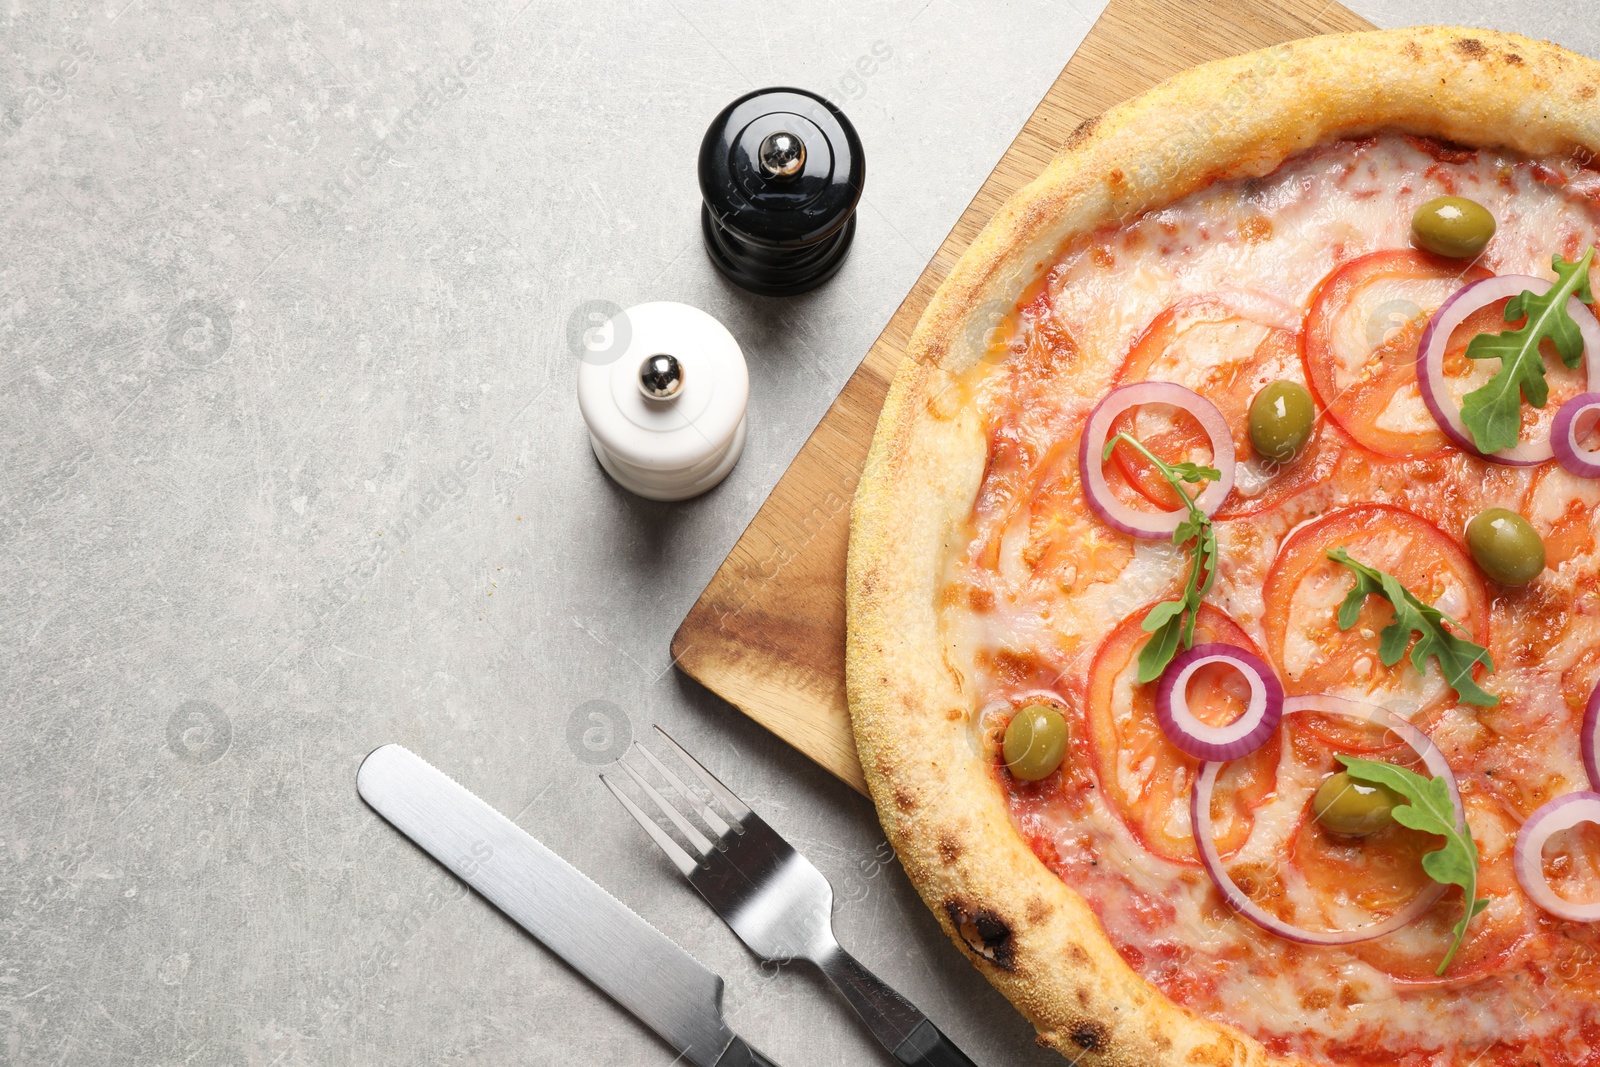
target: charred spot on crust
984 932
1411 50
1039 911
1470 47
1091 1036
904 800
1513 59
1081 132
949 848
1585 92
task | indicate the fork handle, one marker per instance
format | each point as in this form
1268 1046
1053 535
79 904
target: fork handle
898 1026
739 1054
928 1047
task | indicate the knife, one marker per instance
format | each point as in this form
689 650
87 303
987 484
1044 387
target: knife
603 939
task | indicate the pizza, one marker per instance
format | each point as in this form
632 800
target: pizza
1224 591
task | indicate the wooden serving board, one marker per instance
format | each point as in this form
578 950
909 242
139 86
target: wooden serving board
767 635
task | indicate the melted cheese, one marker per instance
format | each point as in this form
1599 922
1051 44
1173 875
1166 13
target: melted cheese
1059 581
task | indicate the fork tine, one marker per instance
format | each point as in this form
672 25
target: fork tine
735 806
681 859
685 827
718 824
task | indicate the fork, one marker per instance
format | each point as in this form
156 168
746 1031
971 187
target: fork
778 903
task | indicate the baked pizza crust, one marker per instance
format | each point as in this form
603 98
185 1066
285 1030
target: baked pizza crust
1031 935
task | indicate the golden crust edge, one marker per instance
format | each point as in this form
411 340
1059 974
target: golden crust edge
939 806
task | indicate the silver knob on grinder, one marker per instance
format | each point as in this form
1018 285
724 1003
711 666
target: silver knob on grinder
782 155
661 376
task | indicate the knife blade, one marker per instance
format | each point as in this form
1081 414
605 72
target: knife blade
603 939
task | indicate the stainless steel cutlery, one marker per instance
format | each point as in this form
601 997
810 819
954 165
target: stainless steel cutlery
633 962
774 899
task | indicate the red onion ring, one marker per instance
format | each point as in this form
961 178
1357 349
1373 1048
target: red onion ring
1573 457
1589 739
1239 901
1452 313
1144 524
1562 813
1240 737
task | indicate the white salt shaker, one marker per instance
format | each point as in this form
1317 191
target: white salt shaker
666 417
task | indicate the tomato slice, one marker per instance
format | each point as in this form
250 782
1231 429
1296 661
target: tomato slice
1572 867
1304 589
1068 545
1224 350
1035 525
1578 681
1142 776
1377 874
1562 508
1496 939
1465 375
1360 346
1323 880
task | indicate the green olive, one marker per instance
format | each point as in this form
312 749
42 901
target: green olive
1506 546
1452 226
1281 418
1036 742
1345 806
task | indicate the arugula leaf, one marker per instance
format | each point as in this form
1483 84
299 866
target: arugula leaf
1192 473
1428 809
1171 622
1493 412
1455 655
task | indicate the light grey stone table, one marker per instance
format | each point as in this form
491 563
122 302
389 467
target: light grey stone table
291 466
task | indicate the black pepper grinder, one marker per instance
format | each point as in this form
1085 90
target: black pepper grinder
781 171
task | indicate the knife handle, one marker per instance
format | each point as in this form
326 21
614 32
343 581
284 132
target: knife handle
926 1046
739 1054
